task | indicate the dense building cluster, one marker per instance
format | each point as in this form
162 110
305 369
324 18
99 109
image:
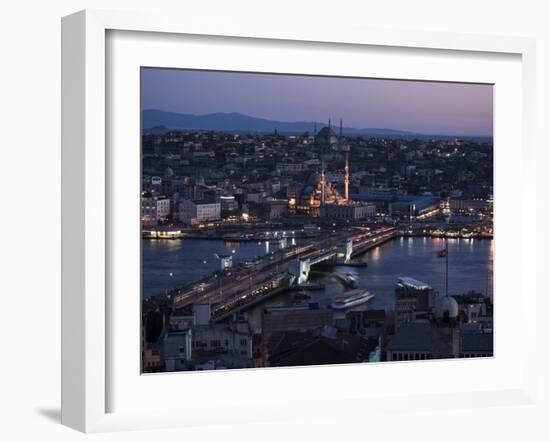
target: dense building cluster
423 325
315 183
193 177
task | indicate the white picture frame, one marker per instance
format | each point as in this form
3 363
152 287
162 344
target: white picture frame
86 316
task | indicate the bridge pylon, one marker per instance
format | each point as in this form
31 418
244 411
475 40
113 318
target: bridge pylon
300 269
344 251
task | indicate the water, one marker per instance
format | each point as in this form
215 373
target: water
470 267
174 262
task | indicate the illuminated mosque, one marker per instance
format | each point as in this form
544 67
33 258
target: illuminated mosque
318 191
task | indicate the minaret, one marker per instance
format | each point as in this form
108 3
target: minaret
346 167
346 179
323 183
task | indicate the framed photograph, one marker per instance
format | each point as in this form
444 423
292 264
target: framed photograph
277 223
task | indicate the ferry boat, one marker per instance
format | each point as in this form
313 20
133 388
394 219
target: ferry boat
352 279
347 279
357 297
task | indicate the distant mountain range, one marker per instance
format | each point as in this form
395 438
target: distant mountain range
235 122
158 121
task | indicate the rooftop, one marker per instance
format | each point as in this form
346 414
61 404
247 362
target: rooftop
469 298
412 336
375 314
478 342
310 348
409 282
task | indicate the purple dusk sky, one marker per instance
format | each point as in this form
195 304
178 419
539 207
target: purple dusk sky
423 107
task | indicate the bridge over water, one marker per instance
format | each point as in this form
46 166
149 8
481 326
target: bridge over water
240 289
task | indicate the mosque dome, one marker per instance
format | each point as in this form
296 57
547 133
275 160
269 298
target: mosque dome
326 137
446 308
314 179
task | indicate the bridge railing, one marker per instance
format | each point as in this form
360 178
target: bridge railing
251 296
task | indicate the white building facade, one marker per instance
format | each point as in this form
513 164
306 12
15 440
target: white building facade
154 209
194 212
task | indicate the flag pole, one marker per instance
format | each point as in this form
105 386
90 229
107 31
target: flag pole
446 266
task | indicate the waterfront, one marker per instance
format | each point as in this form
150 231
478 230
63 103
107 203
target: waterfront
365 206
168 263
470 266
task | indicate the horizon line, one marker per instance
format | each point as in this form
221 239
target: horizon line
323 124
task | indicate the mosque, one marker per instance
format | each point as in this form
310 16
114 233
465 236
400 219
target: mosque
318 192
327 139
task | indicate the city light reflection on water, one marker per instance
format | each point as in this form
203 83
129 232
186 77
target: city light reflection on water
232 244
470 265
470 268
187 260
374 254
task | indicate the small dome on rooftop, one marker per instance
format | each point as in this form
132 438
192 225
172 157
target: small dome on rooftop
446 308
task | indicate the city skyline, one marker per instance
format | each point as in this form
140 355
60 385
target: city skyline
416 106
273 245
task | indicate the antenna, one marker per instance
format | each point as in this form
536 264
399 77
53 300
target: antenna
340 129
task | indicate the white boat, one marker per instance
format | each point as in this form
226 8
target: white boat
356 297
352 279
347 279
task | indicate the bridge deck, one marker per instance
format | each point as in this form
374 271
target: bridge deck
250 297
234 292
